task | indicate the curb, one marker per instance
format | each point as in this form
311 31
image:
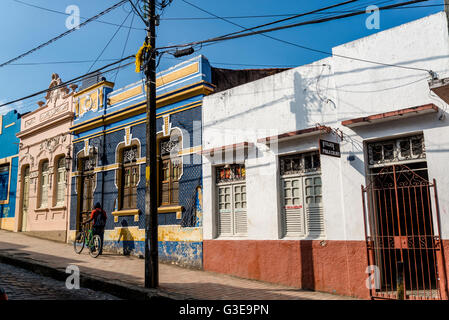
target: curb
116 288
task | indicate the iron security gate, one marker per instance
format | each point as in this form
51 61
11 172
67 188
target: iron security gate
402 230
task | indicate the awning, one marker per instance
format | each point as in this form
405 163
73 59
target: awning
441 88
296 134
231 147
392 115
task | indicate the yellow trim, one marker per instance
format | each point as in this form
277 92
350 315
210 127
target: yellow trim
10 125
137 122
141 106
181 73
190 150
131 212
125 95
167 209
108 167
7 223
93 87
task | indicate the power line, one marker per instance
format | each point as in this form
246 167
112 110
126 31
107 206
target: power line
270 23
68 14
110 40
124 46
316 21
59 62
74 80
273 22
282 15
64 34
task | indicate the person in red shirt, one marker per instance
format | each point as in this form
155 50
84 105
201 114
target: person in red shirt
3 295
99 217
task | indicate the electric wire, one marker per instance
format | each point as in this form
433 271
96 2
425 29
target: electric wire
110 40
281 15
77 79
68 14
64 33
124 47
222 38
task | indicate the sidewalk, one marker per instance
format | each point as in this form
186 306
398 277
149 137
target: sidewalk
129 271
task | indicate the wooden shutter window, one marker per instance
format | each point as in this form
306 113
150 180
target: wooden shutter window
60 182
44 185
232 217
130 178
170 172
302 210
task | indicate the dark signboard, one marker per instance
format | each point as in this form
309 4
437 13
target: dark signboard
329 148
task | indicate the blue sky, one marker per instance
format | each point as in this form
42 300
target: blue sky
24 27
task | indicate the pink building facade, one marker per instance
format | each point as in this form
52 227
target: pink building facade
42 200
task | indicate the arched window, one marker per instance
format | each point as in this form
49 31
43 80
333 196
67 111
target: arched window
129 178
43 198
170 172
60 182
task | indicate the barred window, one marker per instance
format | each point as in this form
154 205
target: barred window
405 149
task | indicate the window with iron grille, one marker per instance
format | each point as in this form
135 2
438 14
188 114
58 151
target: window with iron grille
407 149
60 182
4 181
129 178
231 200
170 172
44 185
301 195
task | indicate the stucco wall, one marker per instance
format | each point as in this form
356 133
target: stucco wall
327 92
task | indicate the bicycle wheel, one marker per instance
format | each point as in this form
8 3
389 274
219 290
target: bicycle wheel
95 246
78 244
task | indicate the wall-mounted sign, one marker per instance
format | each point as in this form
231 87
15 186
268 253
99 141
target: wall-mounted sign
329 148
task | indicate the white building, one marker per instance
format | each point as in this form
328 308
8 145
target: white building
277 210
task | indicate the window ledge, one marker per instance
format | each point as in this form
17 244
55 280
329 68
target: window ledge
167 209
130 212
58 208
41 209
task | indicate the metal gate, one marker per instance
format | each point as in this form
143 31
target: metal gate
402 231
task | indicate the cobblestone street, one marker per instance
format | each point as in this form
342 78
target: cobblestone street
130 270
21 284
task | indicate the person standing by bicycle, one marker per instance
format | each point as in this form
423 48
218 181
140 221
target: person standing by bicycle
99 217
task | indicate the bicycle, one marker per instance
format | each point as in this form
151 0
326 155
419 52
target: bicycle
88 239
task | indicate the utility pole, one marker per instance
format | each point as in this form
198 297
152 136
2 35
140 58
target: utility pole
151 228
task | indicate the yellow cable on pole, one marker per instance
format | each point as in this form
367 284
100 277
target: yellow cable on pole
144 48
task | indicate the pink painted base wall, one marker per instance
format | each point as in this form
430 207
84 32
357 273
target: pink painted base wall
331 266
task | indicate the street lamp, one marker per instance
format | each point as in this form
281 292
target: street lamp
68 161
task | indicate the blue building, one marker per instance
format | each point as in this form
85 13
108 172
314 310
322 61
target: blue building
109 149
109 161
9 126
